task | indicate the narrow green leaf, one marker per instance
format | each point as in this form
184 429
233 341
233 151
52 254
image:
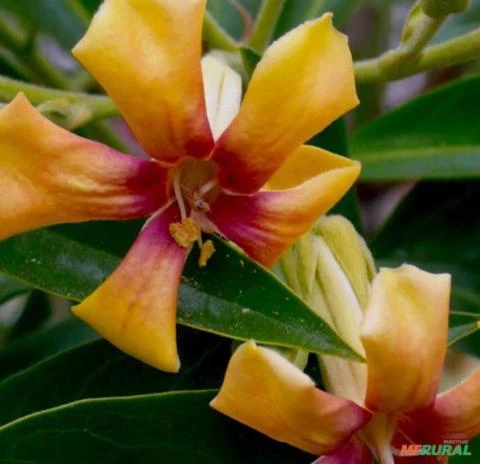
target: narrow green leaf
96 369
232 296
229 17
296 12
177 427
67 20
293 14
435 136
462 325
342 10
91 5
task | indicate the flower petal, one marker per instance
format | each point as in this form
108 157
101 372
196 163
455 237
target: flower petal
266 392
50 176
405 338
454 416
304 82
355 452
223 93
265 224
146 54
135 308
457 411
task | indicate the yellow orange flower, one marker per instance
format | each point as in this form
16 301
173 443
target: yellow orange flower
217 165
371 409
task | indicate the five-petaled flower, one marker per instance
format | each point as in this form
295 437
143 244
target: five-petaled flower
217 165
372 409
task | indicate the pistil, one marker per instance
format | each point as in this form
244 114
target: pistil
177 190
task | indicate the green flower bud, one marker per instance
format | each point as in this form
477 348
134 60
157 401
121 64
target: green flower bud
332 269
439 8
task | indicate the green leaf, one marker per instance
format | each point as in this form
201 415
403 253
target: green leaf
67 20
177 427
38 345
229 17
437 228
10 288
96 369
293 14
232 296
473 447
296 12
91 5
435 136
462 325
342 10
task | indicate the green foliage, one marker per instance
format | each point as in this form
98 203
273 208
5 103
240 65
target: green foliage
435 136
250 59
439 8
437 228
66 20
67 396
462 325
335 139
174 427
103 371
295 12
34 347
73 260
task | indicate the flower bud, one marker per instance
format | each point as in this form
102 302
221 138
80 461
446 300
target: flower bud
331 268
439 8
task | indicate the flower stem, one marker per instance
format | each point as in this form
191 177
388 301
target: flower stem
265 24
316 7
216 36
26 49
458 50
100 106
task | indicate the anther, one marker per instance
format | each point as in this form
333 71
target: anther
206 252
185 233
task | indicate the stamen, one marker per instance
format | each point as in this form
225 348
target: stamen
206 252
158 213
207 187
185 233
178 195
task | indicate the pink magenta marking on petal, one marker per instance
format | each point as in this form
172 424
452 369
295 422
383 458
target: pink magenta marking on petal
354 452
258 225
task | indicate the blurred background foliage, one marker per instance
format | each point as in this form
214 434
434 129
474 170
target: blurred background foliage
418 139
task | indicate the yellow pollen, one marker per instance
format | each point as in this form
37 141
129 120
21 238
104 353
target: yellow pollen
186 232
206 253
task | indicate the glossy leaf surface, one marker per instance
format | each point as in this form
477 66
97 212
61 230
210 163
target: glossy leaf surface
232 296
435 136
151 428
